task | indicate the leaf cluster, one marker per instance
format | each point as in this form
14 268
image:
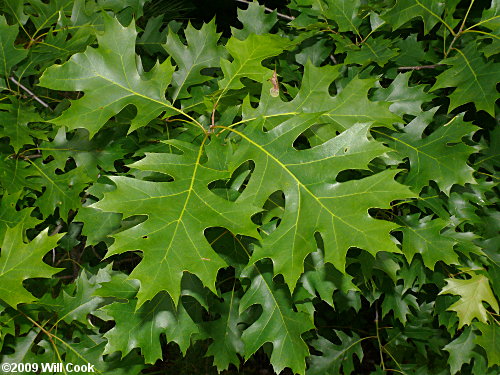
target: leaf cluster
314 189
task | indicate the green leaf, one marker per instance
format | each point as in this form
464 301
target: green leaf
461 350
345 14
398 301
314 201
102 151
152 38
77 307
14 119
324 279
475 80
201 52
405 99
10 217
405 10
22 350
20 261
44 13
116 284
423 236
247 59
97 224
440 157
57 45
316 53
254 20
59 190
141 327
16 10
15 175
172 239
472 293
411 51
225 332
376 50
347 108
490 17
119 5
335 358
111 78
9 55
489 341
278 324
87 348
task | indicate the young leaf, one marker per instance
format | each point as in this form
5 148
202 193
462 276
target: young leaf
472 293
20 261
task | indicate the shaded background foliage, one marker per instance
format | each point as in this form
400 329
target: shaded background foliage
264 126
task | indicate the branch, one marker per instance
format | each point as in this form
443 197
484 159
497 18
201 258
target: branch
284 16
420 67
29 92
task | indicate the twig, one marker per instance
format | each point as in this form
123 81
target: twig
56 230
334 60
284 16
212 125
420 67
34 156
380 346
29 92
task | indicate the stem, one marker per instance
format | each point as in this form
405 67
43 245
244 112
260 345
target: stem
224 128
50 336
460 31
481 22
481 32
